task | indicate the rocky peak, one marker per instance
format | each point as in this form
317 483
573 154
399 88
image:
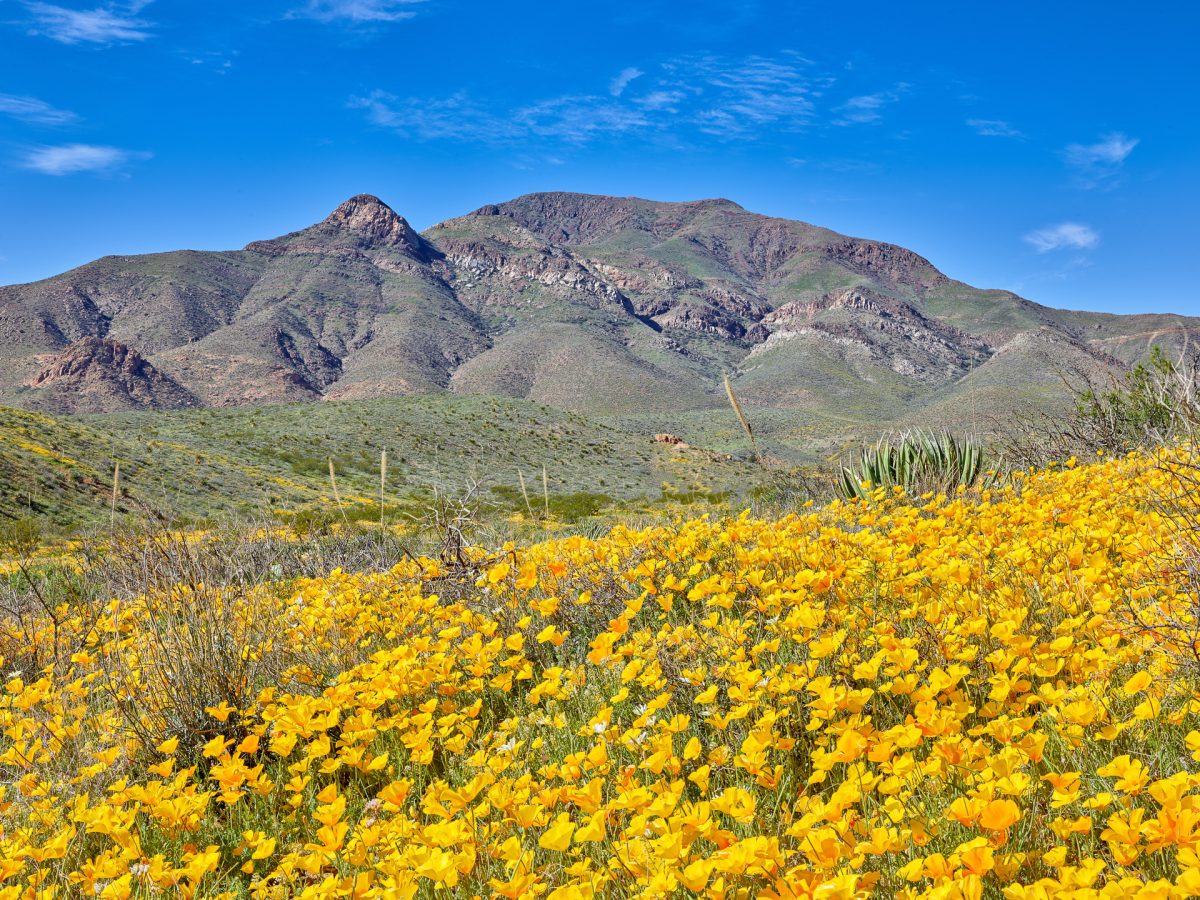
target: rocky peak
362 223
372 219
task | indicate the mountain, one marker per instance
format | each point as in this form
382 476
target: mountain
616 306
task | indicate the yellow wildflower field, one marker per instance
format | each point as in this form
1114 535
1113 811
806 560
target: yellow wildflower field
944 698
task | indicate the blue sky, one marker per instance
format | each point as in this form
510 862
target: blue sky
1046 148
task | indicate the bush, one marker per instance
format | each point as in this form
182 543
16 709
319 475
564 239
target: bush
1154 404
20 536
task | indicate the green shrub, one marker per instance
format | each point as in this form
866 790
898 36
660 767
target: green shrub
20 536
1155 403
571 508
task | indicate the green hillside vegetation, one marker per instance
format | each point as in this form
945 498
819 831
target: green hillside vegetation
197 464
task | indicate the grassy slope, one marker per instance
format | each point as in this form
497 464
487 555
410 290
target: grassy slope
208 462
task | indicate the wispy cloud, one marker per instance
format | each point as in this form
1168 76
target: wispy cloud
111 23
841 165
994 128
734 97
357 11
682 100
578 119
34 111
455 117
866 108
617 86
1101 162
71 159
1065 235
219 62
666 100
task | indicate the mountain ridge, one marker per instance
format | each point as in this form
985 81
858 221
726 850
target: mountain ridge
587 302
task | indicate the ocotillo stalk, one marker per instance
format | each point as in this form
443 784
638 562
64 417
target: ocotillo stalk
336 495
116 492
741 416
524 493
382 484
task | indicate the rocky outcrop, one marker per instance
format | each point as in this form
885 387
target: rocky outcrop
100 375
665 437
888 263
474 262
702 318
893 331
314 366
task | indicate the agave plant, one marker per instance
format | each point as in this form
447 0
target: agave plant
918 461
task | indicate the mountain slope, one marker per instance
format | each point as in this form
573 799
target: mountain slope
604 304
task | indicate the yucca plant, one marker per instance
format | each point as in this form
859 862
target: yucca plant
917 461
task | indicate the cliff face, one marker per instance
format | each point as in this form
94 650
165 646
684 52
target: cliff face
593 303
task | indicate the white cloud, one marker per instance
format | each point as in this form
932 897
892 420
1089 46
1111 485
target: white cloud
1065 235
993 128
733 98
1111 150
357 11
70 159
453 117
684 99
580 118
618 84
866 108
37 112
108 24
668 100
1099 162
860 110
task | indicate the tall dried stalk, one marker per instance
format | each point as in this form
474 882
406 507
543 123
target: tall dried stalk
382 484
741 417
336 495
524 493
546 491
116 492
